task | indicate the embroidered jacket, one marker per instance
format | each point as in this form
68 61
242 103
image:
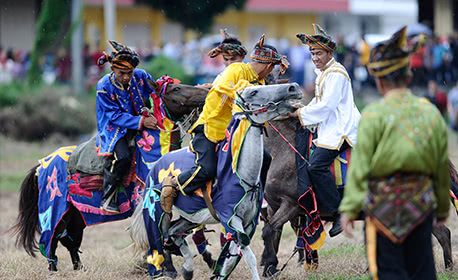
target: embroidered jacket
400 133
332 108
217 112
119 110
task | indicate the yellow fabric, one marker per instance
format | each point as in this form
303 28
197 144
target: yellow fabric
156 259
63 152
317 245
164 136
365 52
338 172
237 139
371 247
217 111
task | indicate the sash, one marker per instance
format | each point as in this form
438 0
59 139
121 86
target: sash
397 204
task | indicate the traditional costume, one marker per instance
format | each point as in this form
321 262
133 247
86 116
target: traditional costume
119 115
227 48
333 110
399 173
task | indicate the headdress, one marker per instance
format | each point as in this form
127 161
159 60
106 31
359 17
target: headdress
265 54
393 55
122 57
321 40
227 48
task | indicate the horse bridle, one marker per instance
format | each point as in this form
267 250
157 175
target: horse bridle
247 108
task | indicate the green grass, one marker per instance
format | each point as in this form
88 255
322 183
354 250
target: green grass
11 181
343 250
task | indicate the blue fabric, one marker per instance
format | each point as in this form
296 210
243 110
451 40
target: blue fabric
58 189
226 195
118 110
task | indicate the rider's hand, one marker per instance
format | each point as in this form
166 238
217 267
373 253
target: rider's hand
150 122
347 225
294 114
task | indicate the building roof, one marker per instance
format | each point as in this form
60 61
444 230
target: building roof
297 5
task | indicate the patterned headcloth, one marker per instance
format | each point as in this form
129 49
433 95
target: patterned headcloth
321 40
393 55
226 48
122 57
264 54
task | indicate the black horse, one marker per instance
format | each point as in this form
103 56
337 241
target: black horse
178 99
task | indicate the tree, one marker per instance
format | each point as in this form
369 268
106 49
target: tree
53 23
195 14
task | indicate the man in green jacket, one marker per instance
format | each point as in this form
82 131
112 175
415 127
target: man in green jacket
399 173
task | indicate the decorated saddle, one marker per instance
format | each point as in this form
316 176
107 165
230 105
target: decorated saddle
225 195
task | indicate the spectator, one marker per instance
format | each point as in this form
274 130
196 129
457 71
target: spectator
437 97
453 107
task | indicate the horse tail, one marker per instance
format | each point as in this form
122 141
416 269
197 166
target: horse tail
27 221
137 231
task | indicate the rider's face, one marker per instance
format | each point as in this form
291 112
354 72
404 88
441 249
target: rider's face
229 59
320 57
123 76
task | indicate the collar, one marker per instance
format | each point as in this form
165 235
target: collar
331 62
398 92
117 84
252 72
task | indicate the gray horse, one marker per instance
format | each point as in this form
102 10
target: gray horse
281 195
259 104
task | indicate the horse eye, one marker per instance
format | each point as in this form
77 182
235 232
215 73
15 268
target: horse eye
253 93
176 89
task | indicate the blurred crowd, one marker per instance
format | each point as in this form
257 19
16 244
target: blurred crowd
434 66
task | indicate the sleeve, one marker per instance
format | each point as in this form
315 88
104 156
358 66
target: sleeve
111 110
441 181
146 89
360 167
316 112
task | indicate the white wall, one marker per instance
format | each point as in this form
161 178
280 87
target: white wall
17 24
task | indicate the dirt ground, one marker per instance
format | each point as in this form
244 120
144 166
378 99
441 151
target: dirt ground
106 253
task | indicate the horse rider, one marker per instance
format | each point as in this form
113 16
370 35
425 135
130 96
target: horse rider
232 51
209 129
333 110
121 95
399 173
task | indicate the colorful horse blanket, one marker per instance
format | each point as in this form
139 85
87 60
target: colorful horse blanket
58 188
225 195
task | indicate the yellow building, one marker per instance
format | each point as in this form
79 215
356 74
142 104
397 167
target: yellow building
140 25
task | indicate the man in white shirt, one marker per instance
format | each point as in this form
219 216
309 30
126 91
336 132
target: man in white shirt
334 112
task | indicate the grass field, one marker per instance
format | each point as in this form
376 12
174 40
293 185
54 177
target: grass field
105 247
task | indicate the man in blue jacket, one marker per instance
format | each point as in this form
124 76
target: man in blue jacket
121 95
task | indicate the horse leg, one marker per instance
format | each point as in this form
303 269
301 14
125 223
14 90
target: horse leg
231 257
170 270
60 229
443 235
275 244
72 240
286 212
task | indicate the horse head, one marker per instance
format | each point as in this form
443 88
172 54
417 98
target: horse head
180 99
264 103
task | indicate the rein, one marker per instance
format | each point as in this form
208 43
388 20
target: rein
289 143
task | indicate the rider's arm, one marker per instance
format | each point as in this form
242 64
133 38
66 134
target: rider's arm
111 109
319 110
228 80
360 167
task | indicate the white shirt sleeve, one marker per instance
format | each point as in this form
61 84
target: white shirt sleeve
319 111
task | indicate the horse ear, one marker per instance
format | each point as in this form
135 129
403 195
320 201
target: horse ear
153 84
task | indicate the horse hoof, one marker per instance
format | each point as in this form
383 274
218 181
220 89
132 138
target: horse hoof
270 272
171 274
52 267
78 266
187 275
207 256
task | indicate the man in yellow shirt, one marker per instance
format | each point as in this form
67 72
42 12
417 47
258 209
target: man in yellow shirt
209 129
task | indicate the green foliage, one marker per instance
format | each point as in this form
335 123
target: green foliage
10 93
52 24
196 14
47 112
162 65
